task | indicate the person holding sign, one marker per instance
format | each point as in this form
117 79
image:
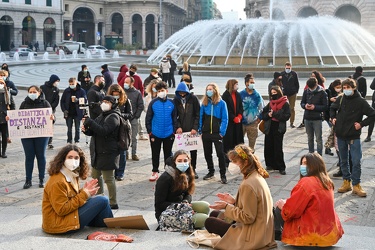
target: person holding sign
187 106
35 147
6 103
213 122
65 206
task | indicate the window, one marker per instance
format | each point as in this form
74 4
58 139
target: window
27 1
5 1
66 7
48 2
101 11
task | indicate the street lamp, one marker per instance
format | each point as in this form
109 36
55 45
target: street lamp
161 23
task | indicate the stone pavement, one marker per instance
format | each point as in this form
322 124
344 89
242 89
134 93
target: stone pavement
20 210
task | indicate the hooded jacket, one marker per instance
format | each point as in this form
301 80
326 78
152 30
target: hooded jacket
318 97
350 109
50 92
164 195
122 73
108 78
213 118
137 82
188 116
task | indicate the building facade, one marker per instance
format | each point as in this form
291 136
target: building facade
357 11
24 22
207 9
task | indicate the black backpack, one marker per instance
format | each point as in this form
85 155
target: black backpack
124 133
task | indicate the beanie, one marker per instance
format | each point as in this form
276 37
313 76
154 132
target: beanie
53 78
276 75
111 99
104 66
154 70
83 66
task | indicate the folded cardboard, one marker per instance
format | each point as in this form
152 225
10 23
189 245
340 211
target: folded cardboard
129 222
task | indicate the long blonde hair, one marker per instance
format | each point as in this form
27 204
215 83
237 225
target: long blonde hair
216 96
185 66
149 87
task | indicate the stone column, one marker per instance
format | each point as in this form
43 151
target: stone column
130 32
156 33
95 33
143 34
70 27
124 32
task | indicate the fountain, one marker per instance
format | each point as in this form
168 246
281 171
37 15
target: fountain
30 56
3 57
45 56
102 54
62 54
116 54
75 54
260 42
16 57
88 54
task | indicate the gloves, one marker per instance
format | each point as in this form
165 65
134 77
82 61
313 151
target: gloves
237 119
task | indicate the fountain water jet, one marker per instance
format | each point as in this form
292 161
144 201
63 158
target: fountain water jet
260 42
45 56
62 55
102 54
16 57
3 57
75 54
30 56
88 54
116 54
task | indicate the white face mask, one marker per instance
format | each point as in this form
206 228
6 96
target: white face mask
234 169
55 84
162 94
105 107
71 164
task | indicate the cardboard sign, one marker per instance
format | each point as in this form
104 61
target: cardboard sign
129 222
188 142
30 123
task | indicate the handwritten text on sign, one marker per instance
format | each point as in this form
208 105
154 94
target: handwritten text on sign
30 123
188 142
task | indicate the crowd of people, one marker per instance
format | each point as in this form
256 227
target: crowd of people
222 120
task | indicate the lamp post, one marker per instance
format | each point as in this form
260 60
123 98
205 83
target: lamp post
161 35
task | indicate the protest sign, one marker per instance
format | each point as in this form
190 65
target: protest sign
188 142
30 123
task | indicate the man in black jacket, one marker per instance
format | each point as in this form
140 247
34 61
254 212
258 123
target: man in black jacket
361 81
95 95
290 89
347 116
50 92
314 102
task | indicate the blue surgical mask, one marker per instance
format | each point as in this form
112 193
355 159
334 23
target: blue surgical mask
32 96
72 86
182 166
126 86
209 93
288 71
5 78
348 92
154 90
251 86
303 170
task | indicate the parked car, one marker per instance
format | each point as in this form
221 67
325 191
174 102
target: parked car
21 52
97 48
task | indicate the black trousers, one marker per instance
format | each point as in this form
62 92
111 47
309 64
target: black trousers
166 78
193 156
278 223
172 80
4 137
273 148
156 147
217 140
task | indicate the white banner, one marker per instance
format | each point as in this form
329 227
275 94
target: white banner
188 142
30 123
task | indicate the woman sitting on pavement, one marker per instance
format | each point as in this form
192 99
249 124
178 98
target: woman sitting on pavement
65 206
176 185
244 222
308 217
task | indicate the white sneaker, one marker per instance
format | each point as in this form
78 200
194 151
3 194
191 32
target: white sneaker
154 176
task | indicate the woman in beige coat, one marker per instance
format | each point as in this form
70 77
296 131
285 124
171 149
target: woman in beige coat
244 222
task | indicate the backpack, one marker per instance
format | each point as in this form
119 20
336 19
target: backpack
176 218
124 133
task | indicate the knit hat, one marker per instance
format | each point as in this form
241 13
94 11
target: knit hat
84 66
104 66
276 75
111 99
53 78
154 70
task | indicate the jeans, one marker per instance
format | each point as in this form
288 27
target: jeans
356 155
216 139
314 127
109 179
69 124
134 123
35 147
122 164
94 211
156 147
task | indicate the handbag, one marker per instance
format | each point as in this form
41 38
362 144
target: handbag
202 237
176 218
261 126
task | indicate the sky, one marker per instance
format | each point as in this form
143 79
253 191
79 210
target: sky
229 5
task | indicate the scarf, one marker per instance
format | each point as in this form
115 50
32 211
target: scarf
277 105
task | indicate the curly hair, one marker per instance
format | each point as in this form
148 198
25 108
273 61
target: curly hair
248 161
117 88
57 162
316 167
186 180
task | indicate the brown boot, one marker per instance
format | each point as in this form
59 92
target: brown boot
357 189
346 187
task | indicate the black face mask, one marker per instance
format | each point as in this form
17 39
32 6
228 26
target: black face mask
274 97
131 73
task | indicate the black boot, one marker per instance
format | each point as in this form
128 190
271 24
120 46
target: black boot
41 183
27 184
338 173
328 152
